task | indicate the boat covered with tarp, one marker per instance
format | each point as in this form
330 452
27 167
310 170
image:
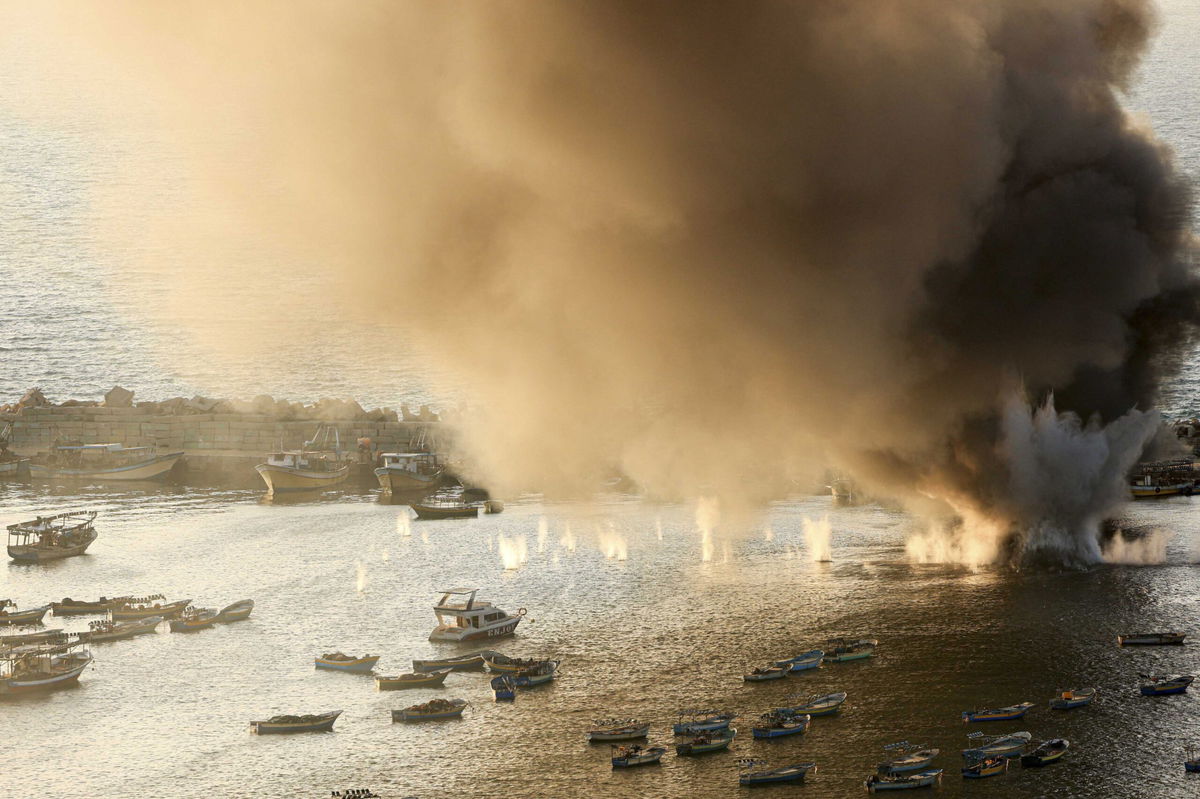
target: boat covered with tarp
427 679
283 724
52 537
903 782
433 710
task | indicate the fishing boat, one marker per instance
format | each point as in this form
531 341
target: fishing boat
55 636
78 607
1048 752
108 630
464 663
445 506
433 710
988 767
337 661
1192 763
606 730
471 619
503 664
995 745
778 725
193 619
1151 639
145 607
16 617
238 611
51 537
1072 698
303 470
428 679
629 756
903 782
693 720
764 674
540 674
42 667
752 772
809 660
504 689
846 650
279 725
106 462
702 743
907 757
997 714
1165 686
409 471
1163 479
825 705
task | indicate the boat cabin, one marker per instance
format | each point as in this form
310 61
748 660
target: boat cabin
422 463
468 613
298 459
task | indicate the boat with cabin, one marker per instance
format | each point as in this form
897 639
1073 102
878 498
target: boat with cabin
636 755
106 462
1009 713
109 630
751 772
1046 753
1151 639
903 782
429 679
1165 685
145 607
778 725
42 667
986 746
52 537
809 660
286 724
464 663
238 611
304 469
845 650
503 687
907 757
471 619
192 619
409 471
988 767
817 705
13 617
607 730
1163 479
693 720
433 710
763 674
1073 698
337 661
702 743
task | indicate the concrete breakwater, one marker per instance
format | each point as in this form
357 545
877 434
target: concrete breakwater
222 447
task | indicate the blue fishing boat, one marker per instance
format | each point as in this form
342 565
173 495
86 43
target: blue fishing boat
542 673
336 661
777 724
906 757
1075 697
752 774
995 745
1009 713
696 720
814 706
989 767
629 756
809 660
1165 686
1192 764
903 782
704 742
504 688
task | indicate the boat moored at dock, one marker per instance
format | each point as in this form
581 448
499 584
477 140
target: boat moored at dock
409 471
433 710
337 661
285 724
429 679
903 782
471 619
1009 713
299 470
629 756
1166 685
52 537
1073 698
606 730
1151 639
752 773
104 462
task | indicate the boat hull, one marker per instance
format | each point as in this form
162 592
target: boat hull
324 724
778 732
238 611
1154 492
875 784
155 468
433 512
1001 714
1167 690
627 734
412 718
401 480
775 776
433 679
282 479
904 766
133 629
461 634
1152 639
16 685
34 554
356 666
166 611
192 625
687 749
473 663
689 728
777 674
12 468
31 616
647 758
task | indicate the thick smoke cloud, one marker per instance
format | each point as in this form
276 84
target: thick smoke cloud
718 245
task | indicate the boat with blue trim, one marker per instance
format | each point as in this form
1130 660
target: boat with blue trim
433 710
504 688
903 782
1046 753
997 714
1073 698
1165 686
845 650
907 757
988 767
753 774
811 659
285 724
762 674
995 745
630 756
238 611
471 619
540 674
695 720
703 743
814 706
337 661
777 725
193 619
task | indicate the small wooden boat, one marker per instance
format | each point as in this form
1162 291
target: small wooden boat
903 782
704 742
51 537
279 725
107 630
809 660
907 757
695 720
432 509
542 673
145 607
503 664
753 774
1075 697
464 663
238 611
43 667
55 636
1192 763
1151 639
629 756
607 730
825 705
1048 752
424 680
764 674
433 710
989 767
778 725
997 714
846 650
336 661
504 688
193 619
15 617
995 745
75 607
1165 686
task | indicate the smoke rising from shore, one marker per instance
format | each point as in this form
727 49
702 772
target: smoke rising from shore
720 244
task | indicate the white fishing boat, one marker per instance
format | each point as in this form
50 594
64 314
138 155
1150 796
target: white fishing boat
409 471
51 537
995 745
107 462
906 757
298 470
471 619
618 730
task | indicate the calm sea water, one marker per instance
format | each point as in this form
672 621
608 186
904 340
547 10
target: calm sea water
643 624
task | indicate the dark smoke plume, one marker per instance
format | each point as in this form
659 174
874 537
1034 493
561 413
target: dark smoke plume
717 244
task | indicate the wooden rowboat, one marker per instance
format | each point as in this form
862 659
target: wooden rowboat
1151 639
990 767
15 617
1048 752
629 756
925 779
503 664
818 705
464 663
336 661
194 619
793 773
433 710
1075 697
1165 686
706 742
425 680
238 611
607 730
764 674
997 714
279 725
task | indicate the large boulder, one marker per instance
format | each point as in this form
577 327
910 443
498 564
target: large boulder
337 410
175 406
198 404
264 404
34 398
118 397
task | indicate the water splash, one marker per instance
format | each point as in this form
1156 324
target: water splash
513 551
360 581
490 546
817 535
568 538
424 536
658 527
404 524
613 544
1143 549
543 531
708 516
768 533
385 557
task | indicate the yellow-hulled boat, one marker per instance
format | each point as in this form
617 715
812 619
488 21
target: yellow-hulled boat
302 471
105 462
